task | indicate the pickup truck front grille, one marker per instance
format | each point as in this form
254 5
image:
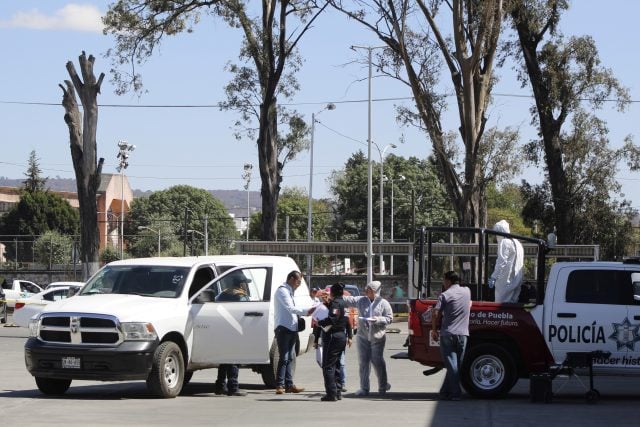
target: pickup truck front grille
79 328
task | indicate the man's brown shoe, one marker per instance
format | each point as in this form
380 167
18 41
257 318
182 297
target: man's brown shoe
279 390
294 389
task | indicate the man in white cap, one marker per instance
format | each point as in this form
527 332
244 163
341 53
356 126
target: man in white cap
374 315
508 272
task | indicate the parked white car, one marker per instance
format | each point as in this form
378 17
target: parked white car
65 283
19 289
26 308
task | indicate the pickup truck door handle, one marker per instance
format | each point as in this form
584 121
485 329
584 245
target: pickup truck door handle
253 313
636 317
566 315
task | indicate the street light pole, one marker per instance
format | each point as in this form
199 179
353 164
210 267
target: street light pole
381 152
206 235
246 175
329 106
142 227
369 171
124 148
391 235
401 178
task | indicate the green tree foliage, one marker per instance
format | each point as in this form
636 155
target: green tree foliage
36 213
267 74
109 254
165 211
39 212
53 248
597 217
34 181
294 203
416 189
565 73
537 211
417 51
506 202
507 196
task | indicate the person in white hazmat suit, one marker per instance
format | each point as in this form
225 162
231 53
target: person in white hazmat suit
508 273
375 314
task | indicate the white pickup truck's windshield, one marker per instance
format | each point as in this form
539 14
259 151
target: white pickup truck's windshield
152 281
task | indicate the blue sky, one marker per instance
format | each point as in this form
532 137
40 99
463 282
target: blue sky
195 146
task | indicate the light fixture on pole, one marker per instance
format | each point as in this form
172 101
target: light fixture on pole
381 152
246 175
369 253
400 178
142 227
124 148
329 106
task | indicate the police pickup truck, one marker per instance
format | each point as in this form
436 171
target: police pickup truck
159 320
589 308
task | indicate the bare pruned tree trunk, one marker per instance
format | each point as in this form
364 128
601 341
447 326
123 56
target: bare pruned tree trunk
82 141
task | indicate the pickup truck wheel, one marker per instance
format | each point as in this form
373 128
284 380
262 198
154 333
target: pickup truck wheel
167 372
488 371
270 372
52 386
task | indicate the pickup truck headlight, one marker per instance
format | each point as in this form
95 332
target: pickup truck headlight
34 324
139 332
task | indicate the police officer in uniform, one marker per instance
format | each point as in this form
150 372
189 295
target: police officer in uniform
334 338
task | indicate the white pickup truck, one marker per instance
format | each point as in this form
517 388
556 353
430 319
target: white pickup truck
157 319
19 289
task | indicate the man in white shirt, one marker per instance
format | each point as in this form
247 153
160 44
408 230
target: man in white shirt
286 322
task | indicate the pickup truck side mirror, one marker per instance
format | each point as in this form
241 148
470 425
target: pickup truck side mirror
636 291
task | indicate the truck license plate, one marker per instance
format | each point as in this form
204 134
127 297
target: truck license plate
70 363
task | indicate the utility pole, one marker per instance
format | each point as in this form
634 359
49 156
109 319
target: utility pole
124 148
186 217
369 253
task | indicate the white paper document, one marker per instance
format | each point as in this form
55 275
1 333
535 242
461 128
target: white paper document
321 312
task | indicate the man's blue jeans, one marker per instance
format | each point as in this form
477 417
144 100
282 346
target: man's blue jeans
228 374
452 349
286 342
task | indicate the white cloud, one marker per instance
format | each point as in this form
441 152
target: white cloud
75 17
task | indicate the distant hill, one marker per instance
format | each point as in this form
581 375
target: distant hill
234 200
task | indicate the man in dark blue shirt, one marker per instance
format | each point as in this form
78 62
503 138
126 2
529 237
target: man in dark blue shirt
451 313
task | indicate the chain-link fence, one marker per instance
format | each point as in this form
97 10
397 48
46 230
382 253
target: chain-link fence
53 251
46 251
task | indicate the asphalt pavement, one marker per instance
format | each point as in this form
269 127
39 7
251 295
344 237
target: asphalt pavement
412 400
